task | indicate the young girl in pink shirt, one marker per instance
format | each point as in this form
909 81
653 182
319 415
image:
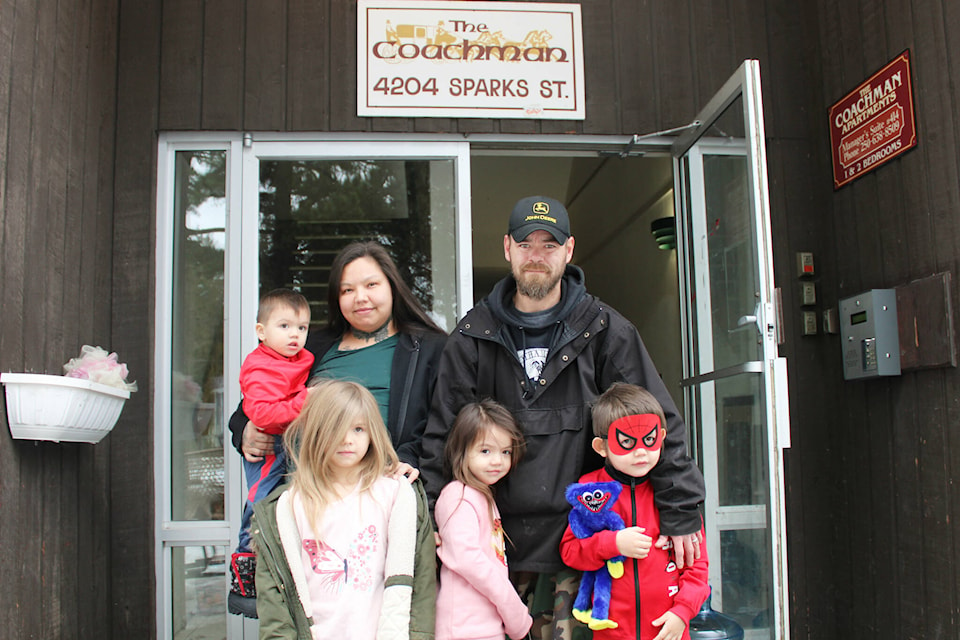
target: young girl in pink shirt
477 600
337 546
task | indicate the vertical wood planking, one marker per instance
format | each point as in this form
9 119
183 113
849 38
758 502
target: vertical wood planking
44 83
633 50
711 43
37 282
132 292
94 551
99 152
676 102
308 68
343 69
54 169
602 95
951 25
16 172
884 413
265 61
10 525
34 97
74 328
223 65
59 528
181 55
932 74
847 72
908 441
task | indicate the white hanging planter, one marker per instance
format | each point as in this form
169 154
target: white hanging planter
60 409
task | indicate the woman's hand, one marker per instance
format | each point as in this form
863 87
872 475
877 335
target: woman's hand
407 472
255 443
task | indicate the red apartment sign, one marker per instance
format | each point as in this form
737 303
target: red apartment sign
874 123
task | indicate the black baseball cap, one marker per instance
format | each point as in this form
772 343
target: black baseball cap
539 212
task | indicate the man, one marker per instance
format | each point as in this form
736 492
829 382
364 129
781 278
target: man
545 348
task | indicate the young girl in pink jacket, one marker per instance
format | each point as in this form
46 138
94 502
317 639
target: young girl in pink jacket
476 600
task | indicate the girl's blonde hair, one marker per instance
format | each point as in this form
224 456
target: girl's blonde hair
333 407
472 424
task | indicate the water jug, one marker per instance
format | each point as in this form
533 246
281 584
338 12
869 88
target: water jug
713 625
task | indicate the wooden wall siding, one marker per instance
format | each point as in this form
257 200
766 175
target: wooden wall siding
291 65
872 464
57 88
139 103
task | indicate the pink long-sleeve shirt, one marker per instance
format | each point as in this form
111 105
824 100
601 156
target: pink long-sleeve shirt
476 598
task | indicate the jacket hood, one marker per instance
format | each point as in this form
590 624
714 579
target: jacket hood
572 290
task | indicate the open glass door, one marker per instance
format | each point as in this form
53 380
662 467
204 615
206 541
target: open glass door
304 200
734 381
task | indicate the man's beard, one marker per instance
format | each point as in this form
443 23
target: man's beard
536 285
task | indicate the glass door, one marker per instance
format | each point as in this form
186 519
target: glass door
303 201
237 215
734 381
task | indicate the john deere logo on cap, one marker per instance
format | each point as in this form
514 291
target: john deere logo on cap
541 207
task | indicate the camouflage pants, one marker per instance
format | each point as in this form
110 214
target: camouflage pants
550 600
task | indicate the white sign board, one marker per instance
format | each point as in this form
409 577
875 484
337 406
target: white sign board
469 60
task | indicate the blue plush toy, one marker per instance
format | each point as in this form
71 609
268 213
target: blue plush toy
592 502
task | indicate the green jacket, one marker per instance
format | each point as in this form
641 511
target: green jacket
279 605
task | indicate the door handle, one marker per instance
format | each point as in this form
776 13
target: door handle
743 322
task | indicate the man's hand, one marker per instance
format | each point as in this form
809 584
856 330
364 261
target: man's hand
255 444
671 626
633 542
686 548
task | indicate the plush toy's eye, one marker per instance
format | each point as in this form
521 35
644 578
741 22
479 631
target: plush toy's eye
594 500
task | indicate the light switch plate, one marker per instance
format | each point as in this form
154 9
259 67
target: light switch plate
809 323
808 294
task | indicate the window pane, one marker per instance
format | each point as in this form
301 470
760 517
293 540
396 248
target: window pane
732 250
310 209
197 380
741 442
747 592
199 593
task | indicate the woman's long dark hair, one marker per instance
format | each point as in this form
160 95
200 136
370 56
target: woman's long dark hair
408 316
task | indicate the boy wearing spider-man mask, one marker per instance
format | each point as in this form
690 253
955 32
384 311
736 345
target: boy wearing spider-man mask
653 600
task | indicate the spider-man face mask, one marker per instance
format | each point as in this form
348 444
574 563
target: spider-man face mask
629 432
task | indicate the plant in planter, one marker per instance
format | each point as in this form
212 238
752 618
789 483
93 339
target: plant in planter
81 406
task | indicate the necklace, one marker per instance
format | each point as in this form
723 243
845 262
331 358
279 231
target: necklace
375 336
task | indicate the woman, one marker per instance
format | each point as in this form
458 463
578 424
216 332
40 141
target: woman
377 335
